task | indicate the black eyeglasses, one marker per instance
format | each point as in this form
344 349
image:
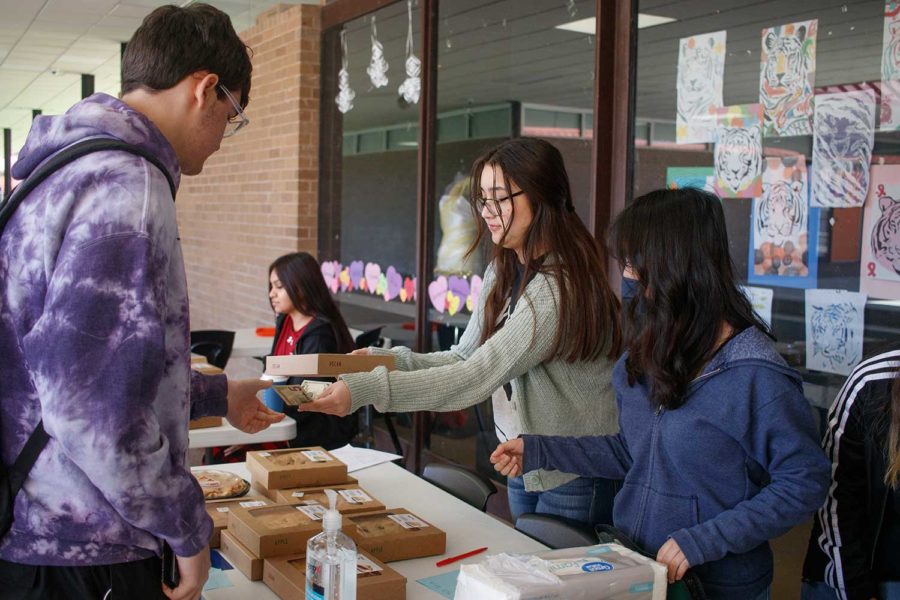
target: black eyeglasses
494 205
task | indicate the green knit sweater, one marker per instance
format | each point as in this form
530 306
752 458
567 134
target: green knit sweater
554 397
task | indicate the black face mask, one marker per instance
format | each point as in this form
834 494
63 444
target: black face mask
631 289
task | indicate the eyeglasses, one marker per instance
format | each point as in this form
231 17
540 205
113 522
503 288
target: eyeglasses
239 120
494 205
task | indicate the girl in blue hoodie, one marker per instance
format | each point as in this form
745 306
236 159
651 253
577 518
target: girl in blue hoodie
717 444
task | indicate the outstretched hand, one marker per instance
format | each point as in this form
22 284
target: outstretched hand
335 400
245 411
509 457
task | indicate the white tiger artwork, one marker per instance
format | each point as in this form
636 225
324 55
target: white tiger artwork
890 69
782 211
885 240
786 78
834 327
701 66
842 148
738 161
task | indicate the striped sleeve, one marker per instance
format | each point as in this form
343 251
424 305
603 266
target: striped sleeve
842 518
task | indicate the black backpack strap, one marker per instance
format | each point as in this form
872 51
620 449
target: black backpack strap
64 157
18 472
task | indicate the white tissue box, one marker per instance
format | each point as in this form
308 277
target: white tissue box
605 571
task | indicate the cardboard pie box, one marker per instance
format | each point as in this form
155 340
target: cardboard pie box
286 576
243 560
218 511
327 365
279 529
205 422
273 495
351 498
295 467
396 534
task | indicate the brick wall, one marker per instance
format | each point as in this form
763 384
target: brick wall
257 197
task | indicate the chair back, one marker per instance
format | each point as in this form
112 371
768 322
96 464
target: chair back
469 486
368 338
214 344
556 532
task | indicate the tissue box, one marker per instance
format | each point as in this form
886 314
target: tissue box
295 468
602 572
279 529
325 365
396 534
286 576
351 498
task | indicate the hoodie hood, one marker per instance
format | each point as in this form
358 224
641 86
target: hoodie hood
99 115
750 347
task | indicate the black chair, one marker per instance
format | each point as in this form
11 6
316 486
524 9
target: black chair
469 486
556 532
368 338
215 345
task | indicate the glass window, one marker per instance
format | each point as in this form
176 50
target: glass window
789 57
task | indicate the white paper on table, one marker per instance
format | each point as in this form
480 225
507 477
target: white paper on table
761 301
834 330
361 458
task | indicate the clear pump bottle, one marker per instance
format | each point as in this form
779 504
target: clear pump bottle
331 559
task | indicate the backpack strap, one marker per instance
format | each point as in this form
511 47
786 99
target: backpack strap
17 473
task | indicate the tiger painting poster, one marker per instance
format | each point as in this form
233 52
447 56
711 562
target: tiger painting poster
842 148
701 70
782 226
890 69
879 275
738 155
834 330
787 78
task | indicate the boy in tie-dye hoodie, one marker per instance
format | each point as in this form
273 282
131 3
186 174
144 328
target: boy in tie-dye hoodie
94 332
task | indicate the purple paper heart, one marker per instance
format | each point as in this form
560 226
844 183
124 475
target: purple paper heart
394 284
356 273
459 286
437 291
373 273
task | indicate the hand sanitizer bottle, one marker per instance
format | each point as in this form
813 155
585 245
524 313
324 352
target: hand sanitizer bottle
331 559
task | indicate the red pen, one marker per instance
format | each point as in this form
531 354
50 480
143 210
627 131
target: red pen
446 561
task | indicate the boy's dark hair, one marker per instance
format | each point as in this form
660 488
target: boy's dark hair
174 42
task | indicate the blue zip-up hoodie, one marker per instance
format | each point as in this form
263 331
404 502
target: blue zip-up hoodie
737 465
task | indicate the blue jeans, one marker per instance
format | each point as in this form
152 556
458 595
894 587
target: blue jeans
583 499
819 590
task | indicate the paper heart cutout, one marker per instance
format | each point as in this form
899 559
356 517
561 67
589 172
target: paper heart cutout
437 291
345 280
373 273
330 271
459 286
363 286
381 288
356 273
407 291
474 293
394 284
415 290
453 303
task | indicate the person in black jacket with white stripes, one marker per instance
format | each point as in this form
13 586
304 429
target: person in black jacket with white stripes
854 549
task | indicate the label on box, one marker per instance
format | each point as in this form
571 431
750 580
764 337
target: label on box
408 521
311 503
316 455
298 494
222 509
313 511
365 567
265 454
577 566
355 496
253 503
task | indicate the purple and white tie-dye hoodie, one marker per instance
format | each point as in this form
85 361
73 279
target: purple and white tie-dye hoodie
94 338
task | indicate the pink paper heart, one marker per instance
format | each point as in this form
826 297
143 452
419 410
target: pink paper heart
474 292
330 271
437 291
394 284
373 274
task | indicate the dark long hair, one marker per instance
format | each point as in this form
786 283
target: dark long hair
588 310
676 244
892 474
302 279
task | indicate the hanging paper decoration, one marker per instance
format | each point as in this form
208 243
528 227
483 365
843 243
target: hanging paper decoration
394 284
437 291
701 69
890 69
346 286
331 270
880 265
409 89
786 79
373 274
474 293
738 153
761 300
356 273
344 99
701 178
834 330
842 148
378 66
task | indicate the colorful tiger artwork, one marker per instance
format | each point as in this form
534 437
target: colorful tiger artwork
738 161
781 219
842 148
885 238
700 71
786 80
890 69
834 343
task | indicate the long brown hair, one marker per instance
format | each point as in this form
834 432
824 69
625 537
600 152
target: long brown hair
588 309
676 243
302 279
892 473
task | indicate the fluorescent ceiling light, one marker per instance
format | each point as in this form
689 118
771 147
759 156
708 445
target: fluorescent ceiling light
589 25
